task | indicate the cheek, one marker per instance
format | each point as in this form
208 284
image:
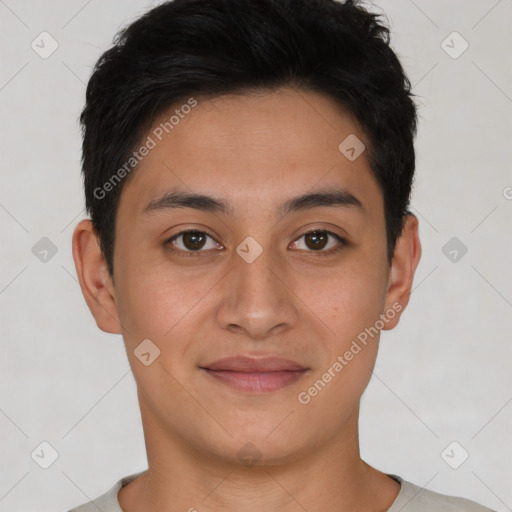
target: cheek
160 304
348 300
349 305
142 298
161 311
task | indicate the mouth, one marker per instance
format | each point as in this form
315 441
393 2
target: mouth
255 375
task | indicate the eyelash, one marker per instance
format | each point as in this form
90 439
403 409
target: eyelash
342 243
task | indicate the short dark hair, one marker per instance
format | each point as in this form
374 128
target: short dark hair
208 48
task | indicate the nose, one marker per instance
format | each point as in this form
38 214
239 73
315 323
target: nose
257 298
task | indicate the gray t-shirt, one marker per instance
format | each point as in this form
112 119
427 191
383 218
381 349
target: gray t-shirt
411 498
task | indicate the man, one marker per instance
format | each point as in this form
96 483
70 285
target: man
248 167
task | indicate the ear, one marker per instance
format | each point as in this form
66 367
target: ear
95 281
403 266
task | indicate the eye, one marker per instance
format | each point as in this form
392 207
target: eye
192 241
318 240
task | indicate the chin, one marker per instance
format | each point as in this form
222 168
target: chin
266 441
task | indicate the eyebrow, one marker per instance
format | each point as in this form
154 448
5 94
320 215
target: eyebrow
320 197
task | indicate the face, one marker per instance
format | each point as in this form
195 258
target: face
263 302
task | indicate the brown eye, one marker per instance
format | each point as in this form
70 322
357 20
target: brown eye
321 241
192 241
316 239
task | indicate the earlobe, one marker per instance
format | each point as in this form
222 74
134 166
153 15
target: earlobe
95 280
405 261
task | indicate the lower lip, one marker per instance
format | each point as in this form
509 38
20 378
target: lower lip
257 381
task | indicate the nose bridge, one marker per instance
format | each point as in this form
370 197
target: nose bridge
255 298
257 275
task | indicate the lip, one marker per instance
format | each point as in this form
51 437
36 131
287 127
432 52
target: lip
252 364
255 374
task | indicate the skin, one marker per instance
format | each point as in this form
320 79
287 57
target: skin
256 151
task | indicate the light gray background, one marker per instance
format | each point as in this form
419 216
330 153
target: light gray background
444 374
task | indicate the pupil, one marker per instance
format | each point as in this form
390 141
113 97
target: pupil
196 240
316 237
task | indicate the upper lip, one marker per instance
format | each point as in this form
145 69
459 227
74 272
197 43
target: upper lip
250 364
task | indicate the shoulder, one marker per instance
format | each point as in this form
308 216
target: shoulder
413 498
107 502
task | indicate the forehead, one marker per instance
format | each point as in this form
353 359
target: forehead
255 149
